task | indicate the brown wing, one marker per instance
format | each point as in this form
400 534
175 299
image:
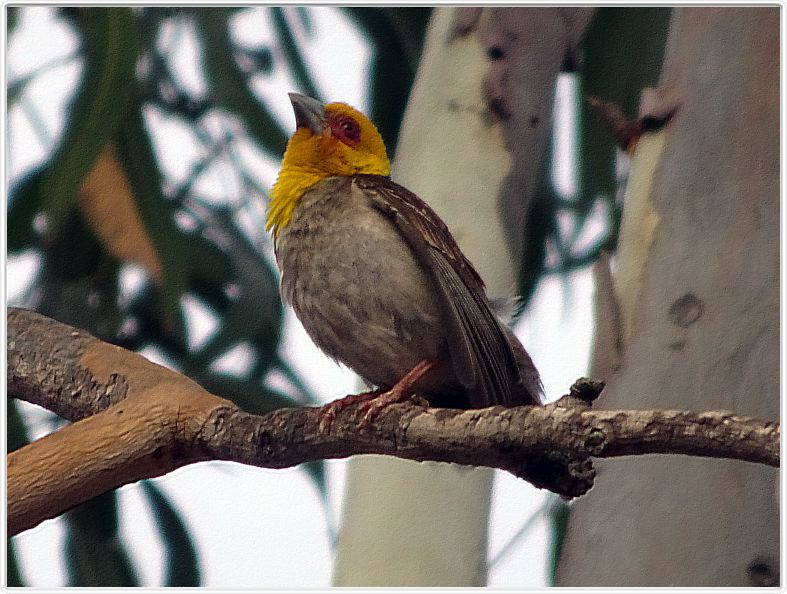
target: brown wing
480 352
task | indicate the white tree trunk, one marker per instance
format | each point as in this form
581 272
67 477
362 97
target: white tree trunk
698 288
473 138
405 523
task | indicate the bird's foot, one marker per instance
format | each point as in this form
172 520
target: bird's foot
400 392
328 412
371 404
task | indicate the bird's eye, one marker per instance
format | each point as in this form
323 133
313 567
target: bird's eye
351 128
347 130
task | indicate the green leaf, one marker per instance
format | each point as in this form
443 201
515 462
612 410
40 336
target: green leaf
24 201
541 225
15 90
289 47
262 58
88 302
309 398
256 398
15 439
138 160
558 520
110 52
306 20
17 432
13 576
152 328
315 470
251 396
180 555
228 85
622 53
76 252
94 554
396 36
12 16
410 25
256 315
211 271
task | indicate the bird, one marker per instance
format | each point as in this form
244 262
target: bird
378 281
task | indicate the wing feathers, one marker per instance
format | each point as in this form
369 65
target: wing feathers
489 348
480 352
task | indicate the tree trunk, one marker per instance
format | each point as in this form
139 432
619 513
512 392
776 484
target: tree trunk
474 133
698 289
405 523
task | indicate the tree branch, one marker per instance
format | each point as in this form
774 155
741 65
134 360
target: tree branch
134 419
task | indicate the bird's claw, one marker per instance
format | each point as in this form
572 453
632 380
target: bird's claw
371 404
328 413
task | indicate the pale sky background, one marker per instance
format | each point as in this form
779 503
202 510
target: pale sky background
267 528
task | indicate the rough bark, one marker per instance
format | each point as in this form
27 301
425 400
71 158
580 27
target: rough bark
160 420
698 288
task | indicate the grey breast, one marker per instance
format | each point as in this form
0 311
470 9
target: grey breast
355 284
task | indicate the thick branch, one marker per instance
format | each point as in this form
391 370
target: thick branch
135 420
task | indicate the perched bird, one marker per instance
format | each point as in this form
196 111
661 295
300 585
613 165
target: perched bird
376 278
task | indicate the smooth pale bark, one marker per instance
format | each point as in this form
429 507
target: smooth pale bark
404 523
698 288
407 524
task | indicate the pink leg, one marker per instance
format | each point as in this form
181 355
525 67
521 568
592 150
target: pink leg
329 411
400 392
372 403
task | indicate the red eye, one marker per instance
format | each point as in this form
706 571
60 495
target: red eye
346 129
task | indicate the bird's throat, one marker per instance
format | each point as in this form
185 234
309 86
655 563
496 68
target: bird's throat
285 195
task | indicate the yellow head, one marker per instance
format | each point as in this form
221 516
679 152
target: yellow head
330 140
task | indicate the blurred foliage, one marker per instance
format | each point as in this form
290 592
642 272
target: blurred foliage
558 521
12 16
102 207
396 37
94 552
181 562
621 54
17 437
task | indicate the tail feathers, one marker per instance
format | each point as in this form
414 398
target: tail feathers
527 388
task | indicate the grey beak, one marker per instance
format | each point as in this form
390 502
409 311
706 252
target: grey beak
309 113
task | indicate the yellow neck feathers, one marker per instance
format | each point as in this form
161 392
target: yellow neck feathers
347 144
